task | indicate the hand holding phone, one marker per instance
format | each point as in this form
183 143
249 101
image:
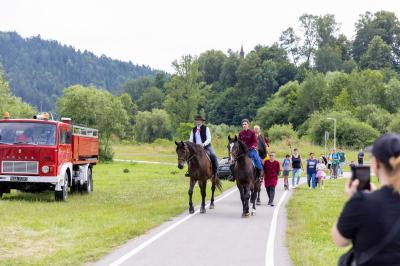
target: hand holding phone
363 174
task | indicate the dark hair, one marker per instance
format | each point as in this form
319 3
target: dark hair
287 155
295 149
246 120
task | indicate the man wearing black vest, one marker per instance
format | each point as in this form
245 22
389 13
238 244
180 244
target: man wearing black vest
201 135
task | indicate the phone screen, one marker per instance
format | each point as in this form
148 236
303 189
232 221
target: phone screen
363 174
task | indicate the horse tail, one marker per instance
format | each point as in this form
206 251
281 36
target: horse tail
218 183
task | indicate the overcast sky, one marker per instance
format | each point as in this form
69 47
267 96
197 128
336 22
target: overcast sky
156 32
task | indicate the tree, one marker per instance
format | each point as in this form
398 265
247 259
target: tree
392 94
328 58
308 25
186 93
135 88
152 125
378 55
227 77
152 98
210 64
327 28
290 42
96 108
384 24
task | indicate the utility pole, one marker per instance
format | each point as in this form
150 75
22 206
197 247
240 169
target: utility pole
334 131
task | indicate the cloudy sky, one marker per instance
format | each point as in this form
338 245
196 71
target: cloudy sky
156 32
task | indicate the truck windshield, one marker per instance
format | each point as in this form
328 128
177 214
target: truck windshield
27 133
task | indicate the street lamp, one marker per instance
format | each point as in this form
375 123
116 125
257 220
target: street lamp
334 131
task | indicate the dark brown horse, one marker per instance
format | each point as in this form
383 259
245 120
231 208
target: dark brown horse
200 170
244 173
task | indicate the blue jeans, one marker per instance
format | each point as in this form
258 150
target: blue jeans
296 174
256 159
341 164
312 180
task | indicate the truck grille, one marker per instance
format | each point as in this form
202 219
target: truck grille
18 167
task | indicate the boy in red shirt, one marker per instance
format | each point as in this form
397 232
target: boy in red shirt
272 169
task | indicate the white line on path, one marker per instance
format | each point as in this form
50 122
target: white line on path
138 161
163 232
269 254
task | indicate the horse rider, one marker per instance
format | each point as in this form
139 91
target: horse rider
201 135
249 138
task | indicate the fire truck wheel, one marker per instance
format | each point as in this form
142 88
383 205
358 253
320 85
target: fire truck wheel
88 185
63 194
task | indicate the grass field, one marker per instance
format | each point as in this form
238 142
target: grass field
311 214
39 231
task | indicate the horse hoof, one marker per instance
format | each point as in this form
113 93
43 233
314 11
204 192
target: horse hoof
253 212
203 210
246 214
191 210
212 206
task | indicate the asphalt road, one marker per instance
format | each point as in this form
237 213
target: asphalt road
219 237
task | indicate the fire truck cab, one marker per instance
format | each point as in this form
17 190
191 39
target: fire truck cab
40 154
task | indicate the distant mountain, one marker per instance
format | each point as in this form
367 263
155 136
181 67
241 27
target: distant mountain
38 70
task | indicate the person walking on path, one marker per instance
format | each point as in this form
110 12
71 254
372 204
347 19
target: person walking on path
370 220
286 166
297 165
321 175
360 157
262 141
330 164
335 164
271 173
312 171
342 161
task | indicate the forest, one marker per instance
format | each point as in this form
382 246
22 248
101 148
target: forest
38 70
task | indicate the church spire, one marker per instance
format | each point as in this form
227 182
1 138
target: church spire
241 52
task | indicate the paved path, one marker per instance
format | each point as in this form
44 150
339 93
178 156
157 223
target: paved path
219 237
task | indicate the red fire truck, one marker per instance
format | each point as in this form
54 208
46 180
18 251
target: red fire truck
40 154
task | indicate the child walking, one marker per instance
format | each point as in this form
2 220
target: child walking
321 175
286 166
271 173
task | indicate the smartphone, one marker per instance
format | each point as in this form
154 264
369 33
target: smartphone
363 174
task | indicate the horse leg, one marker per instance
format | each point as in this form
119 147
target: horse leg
212 193
246 200
258 197
241 190
253 200
190 192
203 185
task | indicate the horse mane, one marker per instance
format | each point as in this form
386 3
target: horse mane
243 146
196 148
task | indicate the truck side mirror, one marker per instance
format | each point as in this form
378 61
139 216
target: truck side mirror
69 138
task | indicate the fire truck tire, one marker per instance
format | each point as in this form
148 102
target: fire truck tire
1 195
63 194
88 185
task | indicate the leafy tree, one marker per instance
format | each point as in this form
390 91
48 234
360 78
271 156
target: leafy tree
392 95
290 42
328 58
210 64
378 55
152 125
96 108
367 87
394 125
308 25
186 93
227 77
135 88
152 98
384 24
375 116
342 101
326 28
282 132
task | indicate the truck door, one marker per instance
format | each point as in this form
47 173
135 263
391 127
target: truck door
64 145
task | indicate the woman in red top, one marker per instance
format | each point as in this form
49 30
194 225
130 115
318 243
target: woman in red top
272 169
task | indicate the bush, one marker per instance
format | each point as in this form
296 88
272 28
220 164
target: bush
152 125
282 132
182 132
375 116
350 131
220 132
106 154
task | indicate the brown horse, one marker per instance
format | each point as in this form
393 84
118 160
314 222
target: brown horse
244 173
200 170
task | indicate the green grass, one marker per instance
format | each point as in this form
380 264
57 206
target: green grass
311 214
38 231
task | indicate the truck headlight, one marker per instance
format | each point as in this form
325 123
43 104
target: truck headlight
45 169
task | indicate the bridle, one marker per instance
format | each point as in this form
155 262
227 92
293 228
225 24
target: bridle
187 160
234 160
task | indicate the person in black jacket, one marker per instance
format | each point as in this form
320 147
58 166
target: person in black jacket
370 217
201 135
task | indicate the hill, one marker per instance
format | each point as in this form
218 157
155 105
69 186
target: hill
38 70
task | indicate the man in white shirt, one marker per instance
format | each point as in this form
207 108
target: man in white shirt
201 135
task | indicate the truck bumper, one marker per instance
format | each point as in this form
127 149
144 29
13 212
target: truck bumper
29 179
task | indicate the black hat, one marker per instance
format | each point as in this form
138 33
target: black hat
385 147
199 117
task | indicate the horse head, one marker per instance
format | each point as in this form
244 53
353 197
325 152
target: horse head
182 150
235 148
